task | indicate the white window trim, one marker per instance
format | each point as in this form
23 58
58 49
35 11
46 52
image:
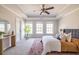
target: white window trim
37 23
49 29
2 28
31 26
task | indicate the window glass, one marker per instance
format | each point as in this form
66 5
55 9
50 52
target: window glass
29 28
49 28
2 27
39 28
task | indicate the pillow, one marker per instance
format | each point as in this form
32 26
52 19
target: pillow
63 37
57 36
66 37
69 37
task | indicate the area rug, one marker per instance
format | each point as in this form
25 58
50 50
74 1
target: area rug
37 47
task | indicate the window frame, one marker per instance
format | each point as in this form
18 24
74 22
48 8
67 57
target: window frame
37 28
31 23
48 29
1 30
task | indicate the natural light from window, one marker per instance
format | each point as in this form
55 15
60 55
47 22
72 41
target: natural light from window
49 28
39 28
2 27
30 28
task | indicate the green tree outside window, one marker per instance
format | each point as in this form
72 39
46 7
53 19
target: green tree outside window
27 30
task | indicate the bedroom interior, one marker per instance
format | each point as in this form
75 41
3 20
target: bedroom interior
39 29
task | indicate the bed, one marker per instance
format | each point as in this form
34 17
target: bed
70 46
73 46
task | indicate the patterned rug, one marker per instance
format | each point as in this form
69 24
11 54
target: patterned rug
36 48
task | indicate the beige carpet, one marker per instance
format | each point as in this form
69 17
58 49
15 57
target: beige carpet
22 47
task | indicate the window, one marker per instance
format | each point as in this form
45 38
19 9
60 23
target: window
29 25
2 27
46 27
49 28
39 28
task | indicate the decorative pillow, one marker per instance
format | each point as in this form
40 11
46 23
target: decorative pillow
66 37
63 37
57 36
69 37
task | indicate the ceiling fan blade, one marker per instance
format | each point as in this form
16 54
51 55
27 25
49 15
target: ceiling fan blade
47 12
40 13
49 8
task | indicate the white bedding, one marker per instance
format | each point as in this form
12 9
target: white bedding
50 44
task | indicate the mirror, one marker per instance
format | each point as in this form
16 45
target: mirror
5 26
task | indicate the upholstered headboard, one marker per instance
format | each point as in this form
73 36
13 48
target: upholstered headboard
74 32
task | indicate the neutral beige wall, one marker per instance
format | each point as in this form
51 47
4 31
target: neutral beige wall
70 21
10 17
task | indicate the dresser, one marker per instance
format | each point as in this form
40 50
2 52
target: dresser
7 42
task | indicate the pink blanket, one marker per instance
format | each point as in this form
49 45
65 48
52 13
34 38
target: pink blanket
36 48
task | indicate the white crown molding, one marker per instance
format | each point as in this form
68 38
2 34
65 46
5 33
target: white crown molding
10 10
71 12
